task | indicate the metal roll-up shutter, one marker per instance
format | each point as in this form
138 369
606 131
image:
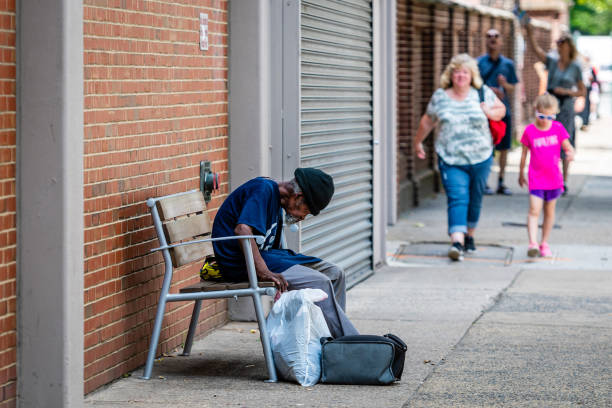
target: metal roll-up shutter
336 128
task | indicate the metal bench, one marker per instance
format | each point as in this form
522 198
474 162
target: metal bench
183 229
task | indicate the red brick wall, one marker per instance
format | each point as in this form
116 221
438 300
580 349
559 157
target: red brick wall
155 106
8 234
425 52
416 54
428 36
405 121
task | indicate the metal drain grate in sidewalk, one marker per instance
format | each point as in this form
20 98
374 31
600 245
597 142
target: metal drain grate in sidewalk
435 253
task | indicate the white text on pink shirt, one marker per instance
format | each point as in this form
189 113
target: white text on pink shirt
546 141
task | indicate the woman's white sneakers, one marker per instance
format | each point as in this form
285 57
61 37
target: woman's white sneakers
455 252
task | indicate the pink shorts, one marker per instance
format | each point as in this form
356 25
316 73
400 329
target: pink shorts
547 195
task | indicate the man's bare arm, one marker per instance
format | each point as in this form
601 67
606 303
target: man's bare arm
540 53
263 273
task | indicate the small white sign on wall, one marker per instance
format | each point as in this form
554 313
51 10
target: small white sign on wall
203 31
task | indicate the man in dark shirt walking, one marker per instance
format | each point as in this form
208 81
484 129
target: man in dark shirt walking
498 73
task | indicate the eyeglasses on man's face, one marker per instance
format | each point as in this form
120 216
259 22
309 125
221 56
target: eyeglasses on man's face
563 41
543 116
492 35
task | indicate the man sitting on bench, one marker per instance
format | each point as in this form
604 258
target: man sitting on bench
254 208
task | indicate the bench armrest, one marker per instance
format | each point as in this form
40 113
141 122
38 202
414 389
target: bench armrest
258 238
246 249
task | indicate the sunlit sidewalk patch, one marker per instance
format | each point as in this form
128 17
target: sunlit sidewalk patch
435 253
430 254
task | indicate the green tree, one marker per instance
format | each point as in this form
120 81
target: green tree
591 17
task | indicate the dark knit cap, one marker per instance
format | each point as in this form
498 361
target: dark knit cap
317 187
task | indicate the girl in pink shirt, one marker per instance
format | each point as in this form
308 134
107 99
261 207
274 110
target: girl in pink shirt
543 140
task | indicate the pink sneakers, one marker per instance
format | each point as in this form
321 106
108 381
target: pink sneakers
545 250
532 250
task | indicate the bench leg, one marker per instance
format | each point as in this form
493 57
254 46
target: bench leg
192 327
265 338
159 317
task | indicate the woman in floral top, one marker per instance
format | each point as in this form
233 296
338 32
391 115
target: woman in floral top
464 146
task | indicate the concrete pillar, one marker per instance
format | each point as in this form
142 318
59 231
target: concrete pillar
385 124
250 95
50 203
263 89
264 80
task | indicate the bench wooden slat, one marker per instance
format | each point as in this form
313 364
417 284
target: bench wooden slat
176 206
239 285
188 228
185 254
209 286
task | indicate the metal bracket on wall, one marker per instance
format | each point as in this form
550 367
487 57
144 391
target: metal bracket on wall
209 181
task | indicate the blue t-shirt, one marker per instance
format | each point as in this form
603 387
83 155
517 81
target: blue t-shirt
256 203
492 69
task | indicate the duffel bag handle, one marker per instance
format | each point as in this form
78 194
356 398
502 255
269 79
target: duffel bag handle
324 340
396 339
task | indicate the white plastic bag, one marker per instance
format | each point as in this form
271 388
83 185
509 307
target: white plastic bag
295 325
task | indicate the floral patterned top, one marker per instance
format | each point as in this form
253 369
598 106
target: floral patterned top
464 137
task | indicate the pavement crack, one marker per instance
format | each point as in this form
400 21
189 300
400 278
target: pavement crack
568 326
434 368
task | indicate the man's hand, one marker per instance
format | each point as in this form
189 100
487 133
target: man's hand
278 279
261 269
503 87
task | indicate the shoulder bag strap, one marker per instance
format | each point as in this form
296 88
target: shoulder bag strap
481 97
493 68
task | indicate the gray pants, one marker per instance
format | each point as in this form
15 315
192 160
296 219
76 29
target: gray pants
330 279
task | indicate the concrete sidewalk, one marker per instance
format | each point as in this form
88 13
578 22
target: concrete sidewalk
480 333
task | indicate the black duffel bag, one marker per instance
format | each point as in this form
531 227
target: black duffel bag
362 359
